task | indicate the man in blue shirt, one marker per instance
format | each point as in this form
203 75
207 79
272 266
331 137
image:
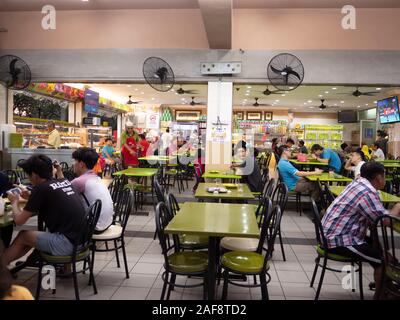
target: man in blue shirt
326 156
293 178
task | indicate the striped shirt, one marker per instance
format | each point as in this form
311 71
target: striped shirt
347 219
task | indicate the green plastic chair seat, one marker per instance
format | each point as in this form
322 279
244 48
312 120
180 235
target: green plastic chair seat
188 262
192 240
393 273
244 261
333 256
64 259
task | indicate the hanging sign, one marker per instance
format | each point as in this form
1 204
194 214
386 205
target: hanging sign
153 121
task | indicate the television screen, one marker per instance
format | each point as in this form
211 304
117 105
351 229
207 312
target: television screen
91 101
388 110
347 116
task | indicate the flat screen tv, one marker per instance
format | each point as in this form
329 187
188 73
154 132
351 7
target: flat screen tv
347 116
91 101
388 110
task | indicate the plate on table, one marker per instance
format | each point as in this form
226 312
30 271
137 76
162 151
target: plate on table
230 185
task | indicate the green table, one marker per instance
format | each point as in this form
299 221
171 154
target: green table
388 161
308 163
215 220
137 172
391 164
157 158
324 177
385 197
232 194
220 175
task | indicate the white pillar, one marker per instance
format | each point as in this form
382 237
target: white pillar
219 138
71 112
119 130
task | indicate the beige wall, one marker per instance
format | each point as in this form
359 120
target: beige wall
256 29
377 29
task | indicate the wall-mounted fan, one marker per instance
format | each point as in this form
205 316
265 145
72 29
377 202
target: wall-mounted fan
14 72
256 104
358 93
130 101
181 91
158 74
285 72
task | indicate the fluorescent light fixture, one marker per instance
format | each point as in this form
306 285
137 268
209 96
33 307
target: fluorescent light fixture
334 88
378 89
248 87
341 101
309 101
326 92
320 95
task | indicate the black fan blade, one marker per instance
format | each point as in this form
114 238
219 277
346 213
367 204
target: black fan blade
276 70
370 93
294 73
190 91
14 71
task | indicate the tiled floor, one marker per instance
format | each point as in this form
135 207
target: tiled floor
289 280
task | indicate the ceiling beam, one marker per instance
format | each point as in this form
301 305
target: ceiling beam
217 18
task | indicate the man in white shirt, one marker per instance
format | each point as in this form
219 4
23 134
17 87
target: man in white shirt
90 187
166 140
355 162
377 153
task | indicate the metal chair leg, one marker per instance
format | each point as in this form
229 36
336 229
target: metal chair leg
39 283
315 271
321 279
116 253
75 279
164 286
264 289
360 282
225 287
124 256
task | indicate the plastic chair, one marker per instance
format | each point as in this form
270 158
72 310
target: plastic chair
323 253
184 263
280 198
81 252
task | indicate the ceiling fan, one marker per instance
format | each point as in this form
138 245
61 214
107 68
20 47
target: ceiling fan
256 104
323 106
193 103
132 102
268 92
181 91
358 93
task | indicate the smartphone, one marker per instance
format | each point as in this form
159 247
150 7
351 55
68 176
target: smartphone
15 191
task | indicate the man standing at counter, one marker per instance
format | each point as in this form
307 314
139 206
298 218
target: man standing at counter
54 139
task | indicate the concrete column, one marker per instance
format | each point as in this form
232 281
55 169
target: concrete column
78 113
219 137
71 112
119 130
394 131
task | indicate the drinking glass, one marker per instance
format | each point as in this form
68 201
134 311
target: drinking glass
240 187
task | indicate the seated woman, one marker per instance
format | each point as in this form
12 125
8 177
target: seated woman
249 170
355 162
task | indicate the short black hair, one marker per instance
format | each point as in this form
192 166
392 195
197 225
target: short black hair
39 164
301 142
316 147
108 139
370 170
142 136
344 145
167 130
282 148
376 144
88 156
361 154
290 141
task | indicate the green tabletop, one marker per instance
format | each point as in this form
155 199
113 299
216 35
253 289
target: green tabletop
324 177
137 172
391 164
310 163
215 219
220 175
157 158
388 161
232 194
6 219
385 197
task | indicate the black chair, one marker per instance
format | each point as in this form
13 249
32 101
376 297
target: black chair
323 253
116 186
294 194
64 166
184 263
253 263
81 251
389 227
280 198
116 232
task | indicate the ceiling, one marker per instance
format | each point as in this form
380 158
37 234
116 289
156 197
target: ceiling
32 5
303 99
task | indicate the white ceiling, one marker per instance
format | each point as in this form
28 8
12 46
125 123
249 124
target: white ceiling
303 99
29 5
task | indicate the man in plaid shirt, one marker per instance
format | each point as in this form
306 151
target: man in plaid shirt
347 220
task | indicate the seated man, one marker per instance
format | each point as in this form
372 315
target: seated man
355 162
293 178
326 156
108 151
249 170
377 153
346 221
56 204
302 148
90 187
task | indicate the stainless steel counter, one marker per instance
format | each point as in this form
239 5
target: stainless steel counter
12 155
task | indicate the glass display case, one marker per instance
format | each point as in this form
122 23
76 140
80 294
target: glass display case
96 135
